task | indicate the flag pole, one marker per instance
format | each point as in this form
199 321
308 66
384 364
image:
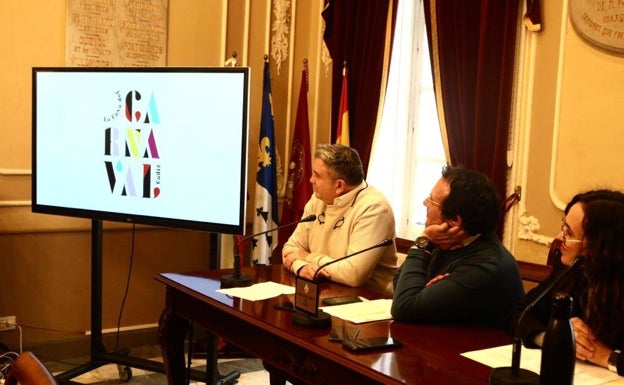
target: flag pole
232 61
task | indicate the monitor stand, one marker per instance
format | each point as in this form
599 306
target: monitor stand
98 354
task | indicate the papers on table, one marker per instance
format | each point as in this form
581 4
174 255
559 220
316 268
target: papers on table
584 373
259 291
360 312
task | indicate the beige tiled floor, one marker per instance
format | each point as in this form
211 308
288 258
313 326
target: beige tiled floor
109 374
252 372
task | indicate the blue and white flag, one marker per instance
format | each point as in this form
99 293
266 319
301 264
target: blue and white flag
266 181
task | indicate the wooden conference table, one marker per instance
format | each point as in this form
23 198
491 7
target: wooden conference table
430 355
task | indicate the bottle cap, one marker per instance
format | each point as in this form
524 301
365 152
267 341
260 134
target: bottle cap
562 304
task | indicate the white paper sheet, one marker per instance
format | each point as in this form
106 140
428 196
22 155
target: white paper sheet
584 373
259 291
360 312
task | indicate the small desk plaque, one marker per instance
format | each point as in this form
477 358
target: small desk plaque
307 313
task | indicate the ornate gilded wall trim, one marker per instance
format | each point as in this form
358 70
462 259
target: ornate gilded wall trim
528 230
280 27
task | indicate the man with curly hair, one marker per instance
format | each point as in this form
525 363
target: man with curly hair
458 270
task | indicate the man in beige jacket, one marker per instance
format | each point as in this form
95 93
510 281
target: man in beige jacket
351 216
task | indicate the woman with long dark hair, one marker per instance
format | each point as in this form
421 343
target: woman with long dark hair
593 230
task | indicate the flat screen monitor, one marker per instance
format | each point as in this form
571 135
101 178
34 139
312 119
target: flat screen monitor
157 146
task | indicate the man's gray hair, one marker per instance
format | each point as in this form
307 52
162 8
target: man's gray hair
343 161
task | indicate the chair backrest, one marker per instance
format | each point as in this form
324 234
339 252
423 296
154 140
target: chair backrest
28 370
554 254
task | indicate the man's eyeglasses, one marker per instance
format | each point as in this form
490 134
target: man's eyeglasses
565 234
430 202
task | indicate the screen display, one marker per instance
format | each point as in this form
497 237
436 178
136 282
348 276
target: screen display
161 146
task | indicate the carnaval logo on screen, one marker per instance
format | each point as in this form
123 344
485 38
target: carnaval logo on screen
130 148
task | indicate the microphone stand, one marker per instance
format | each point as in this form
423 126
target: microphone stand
318 318
514 374
237 279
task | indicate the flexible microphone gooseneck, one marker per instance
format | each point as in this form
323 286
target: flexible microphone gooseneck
313 317
385 242
237 279
514 374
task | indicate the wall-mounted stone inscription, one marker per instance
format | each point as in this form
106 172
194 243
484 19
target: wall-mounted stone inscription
116 33
600 22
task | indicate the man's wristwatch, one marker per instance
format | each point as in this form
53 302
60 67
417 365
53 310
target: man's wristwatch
424 243
613 359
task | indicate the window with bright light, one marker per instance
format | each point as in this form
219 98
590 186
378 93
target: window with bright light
408 155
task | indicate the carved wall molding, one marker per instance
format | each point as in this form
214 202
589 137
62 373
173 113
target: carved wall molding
528 230
280 27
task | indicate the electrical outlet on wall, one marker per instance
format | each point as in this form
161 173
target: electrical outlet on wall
7 323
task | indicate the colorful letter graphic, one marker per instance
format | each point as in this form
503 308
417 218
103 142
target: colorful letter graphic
132 160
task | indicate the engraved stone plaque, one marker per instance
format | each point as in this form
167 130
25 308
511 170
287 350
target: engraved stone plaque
599 22
116 33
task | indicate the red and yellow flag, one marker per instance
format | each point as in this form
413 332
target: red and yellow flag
342 129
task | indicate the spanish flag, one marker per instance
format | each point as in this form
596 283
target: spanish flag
342 130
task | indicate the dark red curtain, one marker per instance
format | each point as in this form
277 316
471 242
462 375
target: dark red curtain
355 32
474 47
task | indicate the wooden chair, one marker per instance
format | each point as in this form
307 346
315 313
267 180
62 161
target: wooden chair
28 370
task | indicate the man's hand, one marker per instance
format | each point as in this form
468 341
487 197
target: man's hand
289 258
309 270
437 278
445 237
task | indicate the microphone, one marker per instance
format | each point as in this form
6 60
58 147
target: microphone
514 374
237 279
385 242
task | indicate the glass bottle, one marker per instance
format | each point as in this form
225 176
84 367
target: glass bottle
559 348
